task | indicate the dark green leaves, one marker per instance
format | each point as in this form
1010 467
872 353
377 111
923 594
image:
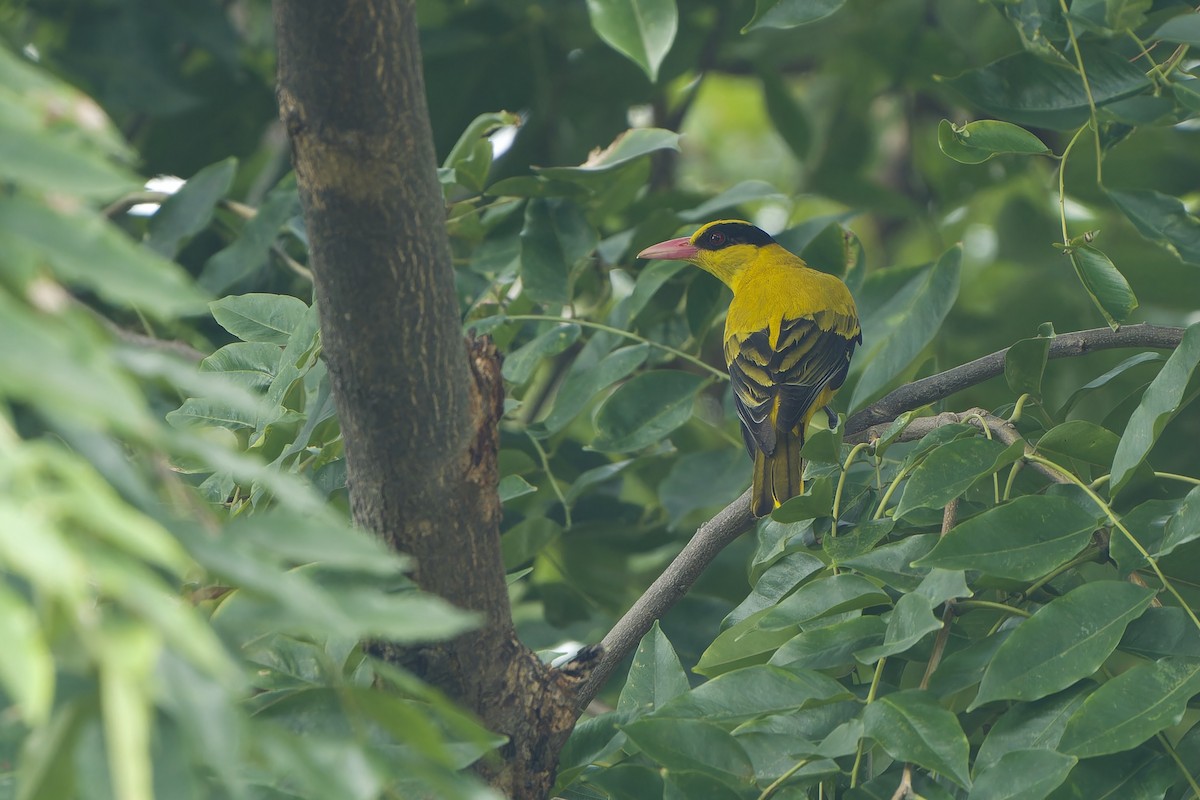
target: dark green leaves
950 470
266 318
645 410
190 210
641 30
1184 29
911 726
555 237
1162 218
1023 539
976 142
1159 404
1066 640
1025 362
1132 707
1028 90
900 317
1104 283
789 13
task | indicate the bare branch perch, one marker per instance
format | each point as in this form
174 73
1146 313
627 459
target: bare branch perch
714 535
944 384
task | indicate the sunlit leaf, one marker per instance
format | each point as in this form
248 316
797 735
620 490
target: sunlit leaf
641 30
976 142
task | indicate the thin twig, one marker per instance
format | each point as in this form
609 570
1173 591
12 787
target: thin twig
940 386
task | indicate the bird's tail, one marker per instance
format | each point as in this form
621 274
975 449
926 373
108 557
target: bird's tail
779 476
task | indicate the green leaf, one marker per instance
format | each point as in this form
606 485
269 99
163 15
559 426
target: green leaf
263 317
816 501
520 363
655 677
556 236
1027 90
775 582
976 142
1022 540
911 726
585 380
1184 29
1028 726
645 410
857 540
251 365
913 616
1107 378
1136 775
1104 284
39 152
86 250
743 644
706 479
1132 707
1158 406
1067 639
736 195
892 563
950 470
755 691
906 321
1148 524
526 539
1162 218
787 115
1079 439
831 646
1166 631
1025 362
513 486
1184 525
630 145
692 745
1022 774
190 210
790 13
640 30
825 596
27 669
250 250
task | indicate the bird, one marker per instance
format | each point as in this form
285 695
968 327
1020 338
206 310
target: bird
790 333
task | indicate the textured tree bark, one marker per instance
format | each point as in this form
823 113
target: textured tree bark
419 409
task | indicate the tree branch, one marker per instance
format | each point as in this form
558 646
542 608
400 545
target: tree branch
944 384
714 535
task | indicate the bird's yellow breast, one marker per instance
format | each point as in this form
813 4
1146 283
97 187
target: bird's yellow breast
777 285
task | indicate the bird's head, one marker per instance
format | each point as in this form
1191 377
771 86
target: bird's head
724 247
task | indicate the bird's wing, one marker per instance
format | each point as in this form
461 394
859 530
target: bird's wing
774 388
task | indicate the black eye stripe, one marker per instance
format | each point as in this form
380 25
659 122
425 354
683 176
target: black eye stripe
728 234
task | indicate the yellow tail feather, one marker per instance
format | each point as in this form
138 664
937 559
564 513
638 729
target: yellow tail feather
777 477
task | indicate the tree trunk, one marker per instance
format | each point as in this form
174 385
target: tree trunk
419 409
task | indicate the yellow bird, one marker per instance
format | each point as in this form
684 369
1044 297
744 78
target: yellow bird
789 336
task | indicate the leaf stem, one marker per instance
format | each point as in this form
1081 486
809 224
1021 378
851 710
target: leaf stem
1020 612
837 495
550 476
583 323
770 790
1062 184
1087 89
870 699
1187 776
1103 506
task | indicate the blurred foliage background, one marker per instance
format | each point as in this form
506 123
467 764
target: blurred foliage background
571 135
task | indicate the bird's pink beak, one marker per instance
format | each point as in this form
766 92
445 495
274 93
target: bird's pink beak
680 249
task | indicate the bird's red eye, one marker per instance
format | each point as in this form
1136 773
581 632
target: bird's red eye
716 238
